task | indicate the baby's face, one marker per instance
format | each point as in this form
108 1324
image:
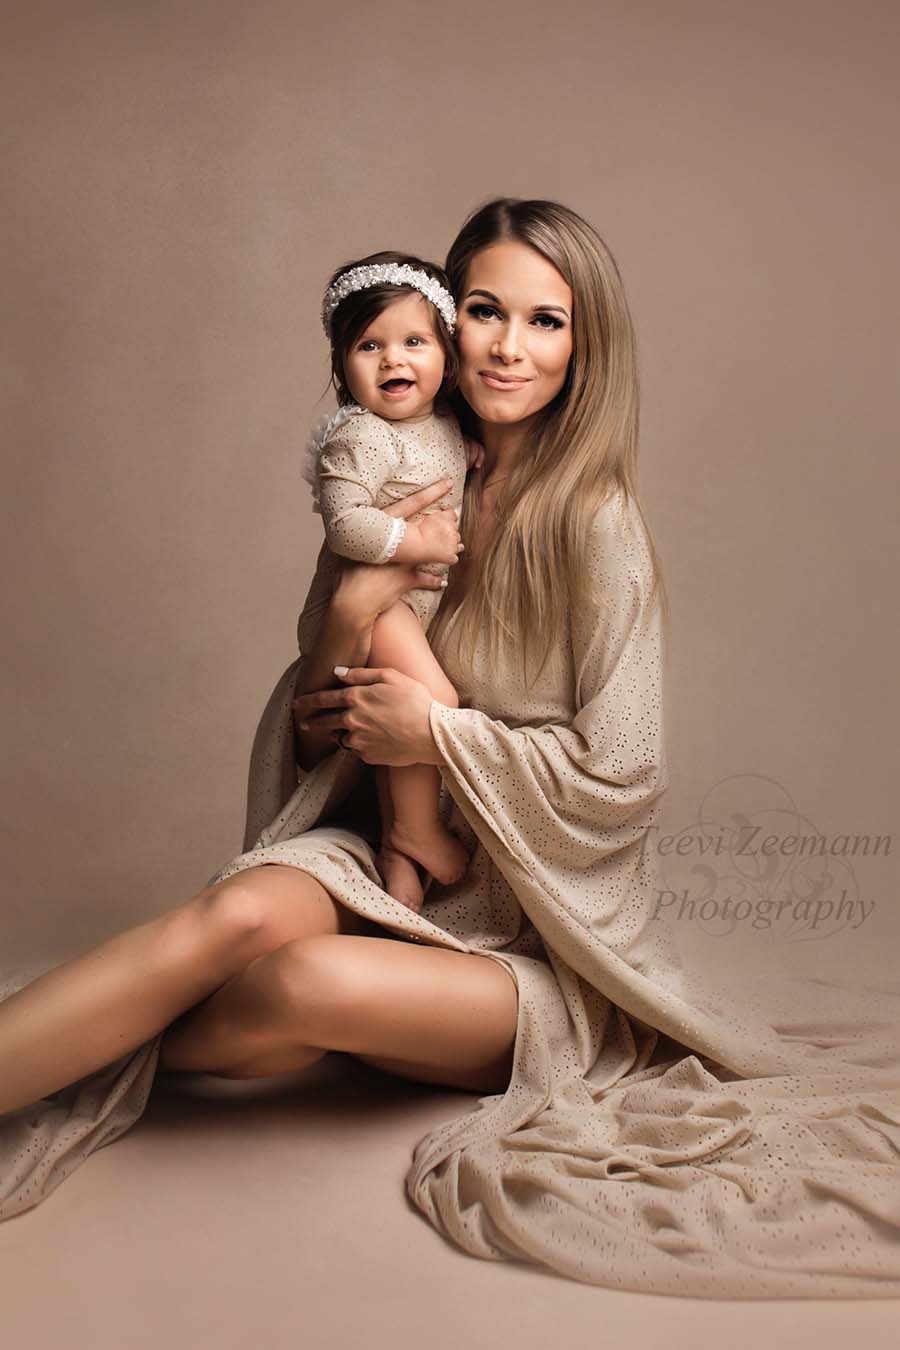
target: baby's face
396 366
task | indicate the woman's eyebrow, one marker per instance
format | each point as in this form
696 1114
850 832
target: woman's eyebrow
490 296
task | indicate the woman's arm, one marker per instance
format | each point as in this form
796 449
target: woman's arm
343 639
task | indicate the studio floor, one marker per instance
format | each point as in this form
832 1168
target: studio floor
272 1212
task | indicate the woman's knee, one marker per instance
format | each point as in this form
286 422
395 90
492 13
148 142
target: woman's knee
274 902
434 1016
312 978
237 906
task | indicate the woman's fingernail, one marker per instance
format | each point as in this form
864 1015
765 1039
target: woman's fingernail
445 583
449 482
304 726
341 670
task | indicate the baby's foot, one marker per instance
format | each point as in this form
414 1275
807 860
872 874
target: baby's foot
433 846
400 876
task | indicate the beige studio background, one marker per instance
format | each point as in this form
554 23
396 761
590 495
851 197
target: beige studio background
178 181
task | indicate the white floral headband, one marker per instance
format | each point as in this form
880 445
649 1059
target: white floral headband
400 274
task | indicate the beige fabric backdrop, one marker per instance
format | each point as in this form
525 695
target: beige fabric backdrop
179 182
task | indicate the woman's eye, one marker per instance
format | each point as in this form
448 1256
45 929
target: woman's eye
479 310
549 320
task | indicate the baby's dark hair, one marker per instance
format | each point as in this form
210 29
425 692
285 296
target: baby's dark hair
354 314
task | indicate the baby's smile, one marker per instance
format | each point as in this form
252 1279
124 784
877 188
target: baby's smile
395 387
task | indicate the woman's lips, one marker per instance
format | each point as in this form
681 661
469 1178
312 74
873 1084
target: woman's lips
499 382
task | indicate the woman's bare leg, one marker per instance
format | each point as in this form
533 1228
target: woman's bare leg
425 1013
94 1008
417 830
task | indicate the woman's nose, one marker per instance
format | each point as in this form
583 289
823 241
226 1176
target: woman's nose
507 345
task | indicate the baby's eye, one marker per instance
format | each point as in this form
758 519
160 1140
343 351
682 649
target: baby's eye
417 340
367 345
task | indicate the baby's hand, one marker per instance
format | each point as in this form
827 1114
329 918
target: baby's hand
440 536
474 453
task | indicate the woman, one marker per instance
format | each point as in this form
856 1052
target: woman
639 1117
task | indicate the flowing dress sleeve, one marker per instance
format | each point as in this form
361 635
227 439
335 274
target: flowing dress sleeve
566 811
569 794
358 458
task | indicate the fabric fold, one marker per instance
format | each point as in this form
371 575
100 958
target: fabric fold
41 1143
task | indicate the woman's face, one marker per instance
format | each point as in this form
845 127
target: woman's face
514 332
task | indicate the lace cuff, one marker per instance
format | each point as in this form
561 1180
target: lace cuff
398 530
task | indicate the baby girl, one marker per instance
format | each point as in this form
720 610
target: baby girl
390 320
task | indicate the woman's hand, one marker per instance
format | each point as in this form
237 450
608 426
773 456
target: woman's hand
364 590
384 716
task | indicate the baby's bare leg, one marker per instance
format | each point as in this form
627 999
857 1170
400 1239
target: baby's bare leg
399 641
398 871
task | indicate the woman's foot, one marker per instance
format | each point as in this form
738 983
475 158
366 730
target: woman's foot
400 876
434 847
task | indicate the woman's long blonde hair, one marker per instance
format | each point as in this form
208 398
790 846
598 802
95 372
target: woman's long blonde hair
582 447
